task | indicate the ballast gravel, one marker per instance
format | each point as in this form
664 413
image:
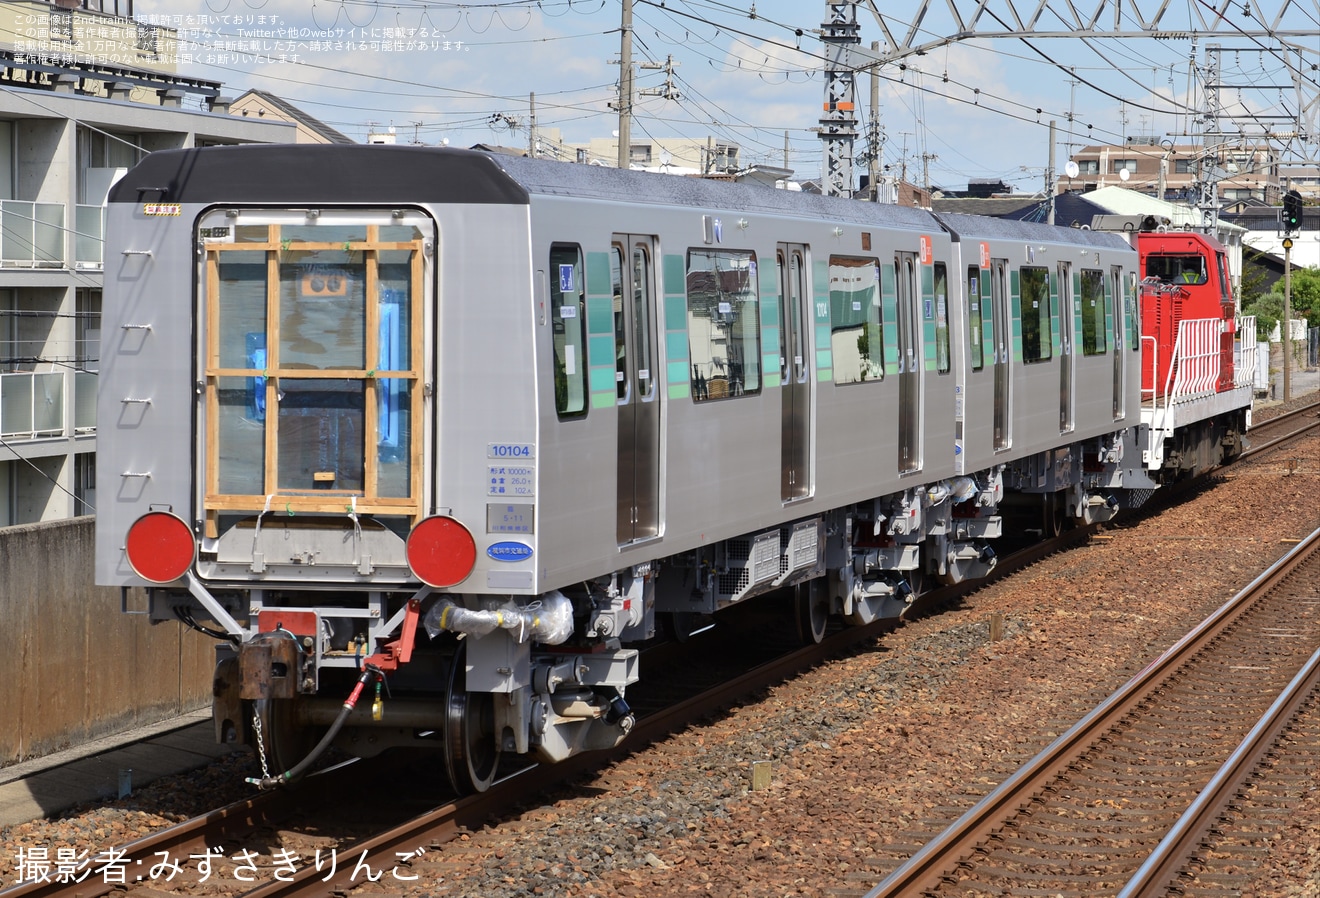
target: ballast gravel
870 755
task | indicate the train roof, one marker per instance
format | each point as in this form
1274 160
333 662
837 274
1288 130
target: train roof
547 178
979 227
283 174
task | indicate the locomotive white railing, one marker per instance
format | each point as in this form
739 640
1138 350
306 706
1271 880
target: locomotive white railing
1194 371
1244 352
1191 389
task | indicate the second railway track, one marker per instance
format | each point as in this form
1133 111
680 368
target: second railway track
1084 815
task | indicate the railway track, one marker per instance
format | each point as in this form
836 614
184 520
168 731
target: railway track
405 846
1280 430
418 839
1100 810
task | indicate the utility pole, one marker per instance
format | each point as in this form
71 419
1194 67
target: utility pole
873 137
531 127
668 92
1049 175
625 85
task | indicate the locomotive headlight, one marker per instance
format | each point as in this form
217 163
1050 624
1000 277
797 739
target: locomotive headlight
441 552
160 547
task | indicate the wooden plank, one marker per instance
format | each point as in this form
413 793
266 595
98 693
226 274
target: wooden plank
271 469
211 435
325 501
418 433
371 356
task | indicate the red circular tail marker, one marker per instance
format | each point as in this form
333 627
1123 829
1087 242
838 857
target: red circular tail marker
160 547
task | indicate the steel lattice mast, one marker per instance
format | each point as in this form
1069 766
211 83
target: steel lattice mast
1261 21
838 123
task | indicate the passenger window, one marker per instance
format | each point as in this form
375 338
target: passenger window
976 332
1036 345
941 319
724 324
620 335
568 311
856 328
1094 313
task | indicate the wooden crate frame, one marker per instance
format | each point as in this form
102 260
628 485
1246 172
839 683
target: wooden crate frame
366 500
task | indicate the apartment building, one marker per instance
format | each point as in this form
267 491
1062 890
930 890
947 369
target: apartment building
85 92
1171 172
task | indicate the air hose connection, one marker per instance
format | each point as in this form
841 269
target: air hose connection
294 773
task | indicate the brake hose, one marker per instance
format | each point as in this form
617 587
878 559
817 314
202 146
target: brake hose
369 673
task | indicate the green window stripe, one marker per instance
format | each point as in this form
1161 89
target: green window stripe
600 316
674 272
675 312
602 378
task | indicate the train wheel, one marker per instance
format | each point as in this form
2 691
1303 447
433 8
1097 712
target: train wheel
280 742
1053 514
811 606
472 754
681 626
917 578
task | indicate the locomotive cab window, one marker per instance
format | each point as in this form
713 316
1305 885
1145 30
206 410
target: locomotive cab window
724 324
313 360
1177 269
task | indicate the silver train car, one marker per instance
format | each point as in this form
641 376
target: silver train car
430 440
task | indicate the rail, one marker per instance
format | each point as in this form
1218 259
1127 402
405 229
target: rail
948 854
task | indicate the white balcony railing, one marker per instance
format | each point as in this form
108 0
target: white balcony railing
84 401
32 235
88 236
31 405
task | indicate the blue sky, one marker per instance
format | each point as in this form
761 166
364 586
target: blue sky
463 72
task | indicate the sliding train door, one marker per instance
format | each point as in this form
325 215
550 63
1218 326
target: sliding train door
632 276
1002 321
1067 358
1119 299
911 359
794 367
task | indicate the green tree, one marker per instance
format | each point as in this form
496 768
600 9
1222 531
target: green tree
1306 295
1268 309
1255 277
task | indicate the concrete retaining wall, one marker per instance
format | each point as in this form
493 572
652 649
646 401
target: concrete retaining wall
73 666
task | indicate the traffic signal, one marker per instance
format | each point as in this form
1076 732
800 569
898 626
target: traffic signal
1292 211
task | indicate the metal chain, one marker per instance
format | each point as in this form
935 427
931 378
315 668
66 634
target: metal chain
261 744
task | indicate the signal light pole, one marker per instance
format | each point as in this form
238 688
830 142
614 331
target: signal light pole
1287 317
